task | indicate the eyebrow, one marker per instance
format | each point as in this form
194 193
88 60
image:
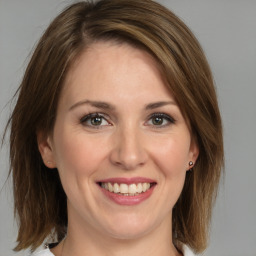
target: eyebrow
97 104
159 104
107 106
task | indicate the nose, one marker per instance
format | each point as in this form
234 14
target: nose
128 151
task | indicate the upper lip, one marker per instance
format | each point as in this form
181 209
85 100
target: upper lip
128 181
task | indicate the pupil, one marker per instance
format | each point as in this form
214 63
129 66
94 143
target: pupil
96 120
157 120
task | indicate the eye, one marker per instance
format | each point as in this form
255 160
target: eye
160 119
94 120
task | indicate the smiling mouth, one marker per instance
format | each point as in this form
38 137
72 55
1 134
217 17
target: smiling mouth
125 189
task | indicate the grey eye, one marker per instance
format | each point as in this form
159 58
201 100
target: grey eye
94 120
160 119
97 120
157 120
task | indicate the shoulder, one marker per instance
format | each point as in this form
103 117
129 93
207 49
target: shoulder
45 252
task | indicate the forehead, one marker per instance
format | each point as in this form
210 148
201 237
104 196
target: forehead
109 57
107 68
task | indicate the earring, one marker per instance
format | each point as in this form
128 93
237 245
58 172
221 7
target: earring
191 163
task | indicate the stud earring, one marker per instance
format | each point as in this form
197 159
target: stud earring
191 163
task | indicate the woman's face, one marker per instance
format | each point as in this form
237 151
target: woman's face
120 143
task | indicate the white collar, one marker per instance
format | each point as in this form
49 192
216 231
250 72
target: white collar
186 250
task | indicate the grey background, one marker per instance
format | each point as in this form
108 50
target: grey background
227 32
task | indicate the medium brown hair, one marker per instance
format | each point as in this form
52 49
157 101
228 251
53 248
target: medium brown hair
40 202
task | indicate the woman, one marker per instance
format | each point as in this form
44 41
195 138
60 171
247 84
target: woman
116 139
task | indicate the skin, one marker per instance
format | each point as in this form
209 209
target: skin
127 142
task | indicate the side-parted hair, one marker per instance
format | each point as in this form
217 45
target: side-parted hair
40 202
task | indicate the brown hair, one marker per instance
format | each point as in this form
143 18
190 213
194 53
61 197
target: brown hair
39 199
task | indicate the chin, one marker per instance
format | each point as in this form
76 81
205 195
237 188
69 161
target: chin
130 227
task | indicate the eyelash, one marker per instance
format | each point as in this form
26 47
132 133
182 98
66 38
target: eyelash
162 116
90 116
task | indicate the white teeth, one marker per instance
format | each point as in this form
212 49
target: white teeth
132 188
139 188
145 186
116 188
126 190
110 187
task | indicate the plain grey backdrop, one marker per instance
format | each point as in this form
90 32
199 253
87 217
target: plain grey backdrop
226 30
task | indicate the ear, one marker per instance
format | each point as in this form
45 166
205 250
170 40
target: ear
45 147
193 154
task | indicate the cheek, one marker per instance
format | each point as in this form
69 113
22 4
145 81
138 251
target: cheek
172 155
76 154
77 160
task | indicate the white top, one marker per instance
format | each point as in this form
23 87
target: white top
46 252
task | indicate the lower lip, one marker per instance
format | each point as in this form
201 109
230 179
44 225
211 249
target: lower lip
128 200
